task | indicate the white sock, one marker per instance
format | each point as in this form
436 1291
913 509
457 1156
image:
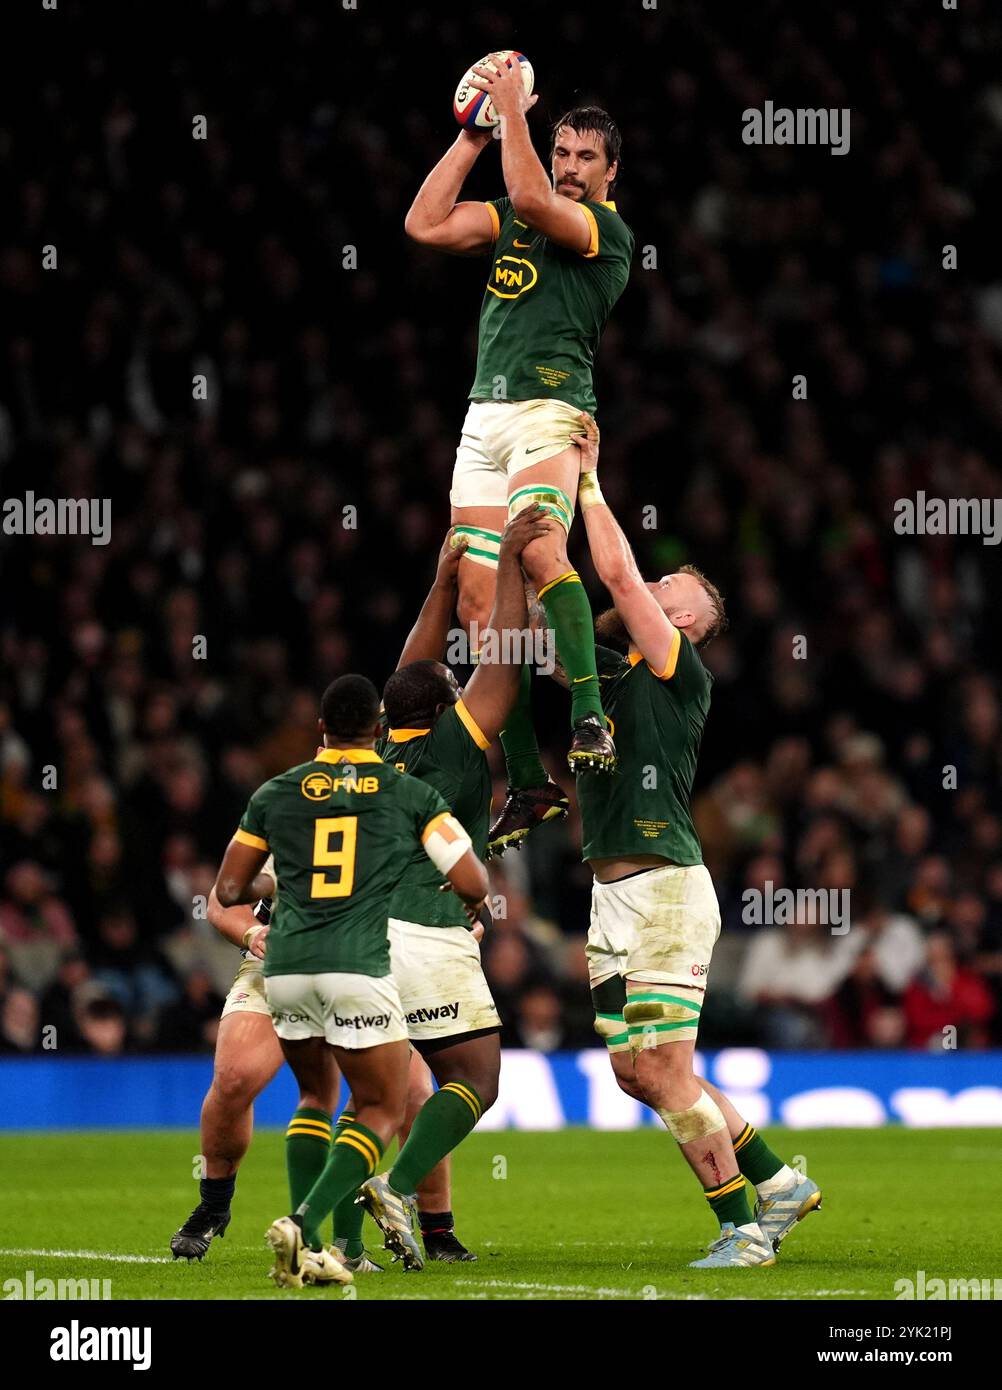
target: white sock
786 1177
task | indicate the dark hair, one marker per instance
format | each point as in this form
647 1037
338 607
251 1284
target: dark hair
582 118
350 708
414 692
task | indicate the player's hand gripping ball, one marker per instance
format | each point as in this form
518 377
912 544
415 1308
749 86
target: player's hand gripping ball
473 108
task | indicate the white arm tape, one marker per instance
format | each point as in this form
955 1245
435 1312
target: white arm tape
445 842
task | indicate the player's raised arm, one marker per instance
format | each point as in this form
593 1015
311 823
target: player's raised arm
436 219
651 631
491 691
427 638
532 195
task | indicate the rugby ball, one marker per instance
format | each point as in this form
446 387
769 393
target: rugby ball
474 108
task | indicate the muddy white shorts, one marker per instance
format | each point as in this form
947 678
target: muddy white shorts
246 994
348 1010
499 439
443 990
661 925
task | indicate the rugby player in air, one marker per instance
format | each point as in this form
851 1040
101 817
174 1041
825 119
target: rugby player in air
560 259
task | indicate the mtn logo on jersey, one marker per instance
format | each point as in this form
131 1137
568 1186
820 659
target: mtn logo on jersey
317 786
514 275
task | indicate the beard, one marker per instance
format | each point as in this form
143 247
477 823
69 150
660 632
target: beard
611 630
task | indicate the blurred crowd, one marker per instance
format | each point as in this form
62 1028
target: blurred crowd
278 526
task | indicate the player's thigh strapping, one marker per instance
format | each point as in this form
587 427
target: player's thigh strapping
500 439
658 927
246 994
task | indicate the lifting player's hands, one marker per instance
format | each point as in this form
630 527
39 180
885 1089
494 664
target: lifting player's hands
587 442
453 549
525 526
258 942
504 85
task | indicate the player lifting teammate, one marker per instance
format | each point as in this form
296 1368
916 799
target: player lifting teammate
439 733
561 259
342 828
654 918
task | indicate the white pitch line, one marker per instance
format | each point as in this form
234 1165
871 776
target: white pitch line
546 1288
91 1255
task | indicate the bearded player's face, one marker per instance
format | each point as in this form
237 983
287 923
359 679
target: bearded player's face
580 168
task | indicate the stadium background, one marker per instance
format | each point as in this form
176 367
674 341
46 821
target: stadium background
334 387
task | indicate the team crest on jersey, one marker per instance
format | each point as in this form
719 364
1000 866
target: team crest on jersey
317 786
512 276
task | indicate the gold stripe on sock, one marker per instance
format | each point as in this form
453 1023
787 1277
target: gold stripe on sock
353 1141
363 1138
466 1094
731 1186
745 1137
571 577
315 1130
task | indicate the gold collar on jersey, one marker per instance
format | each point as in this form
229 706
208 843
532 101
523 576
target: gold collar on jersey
347 755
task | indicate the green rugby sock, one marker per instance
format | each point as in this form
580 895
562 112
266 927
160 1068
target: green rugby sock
354 1156
307 1146
568 612
756 1160
518 739
444 1121
729 1201
348 1215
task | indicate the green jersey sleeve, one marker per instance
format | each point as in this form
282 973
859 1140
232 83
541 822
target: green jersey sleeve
428 805
253 828
612 239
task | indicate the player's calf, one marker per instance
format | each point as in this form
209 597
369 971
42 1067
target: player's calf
568 613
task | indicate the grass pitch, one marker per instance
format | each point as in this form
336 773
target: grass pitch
575 1214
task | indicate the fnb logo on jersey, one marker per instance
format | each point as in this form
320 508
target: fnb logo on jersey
515 281
317 786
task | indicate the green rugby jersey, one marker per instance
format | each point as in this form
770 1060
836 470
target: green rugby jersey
643 807
450 757
342 828
545 307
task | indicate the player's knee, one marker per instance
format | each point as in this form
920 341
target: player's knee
545 558
486 1086
626 1079
235 1086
